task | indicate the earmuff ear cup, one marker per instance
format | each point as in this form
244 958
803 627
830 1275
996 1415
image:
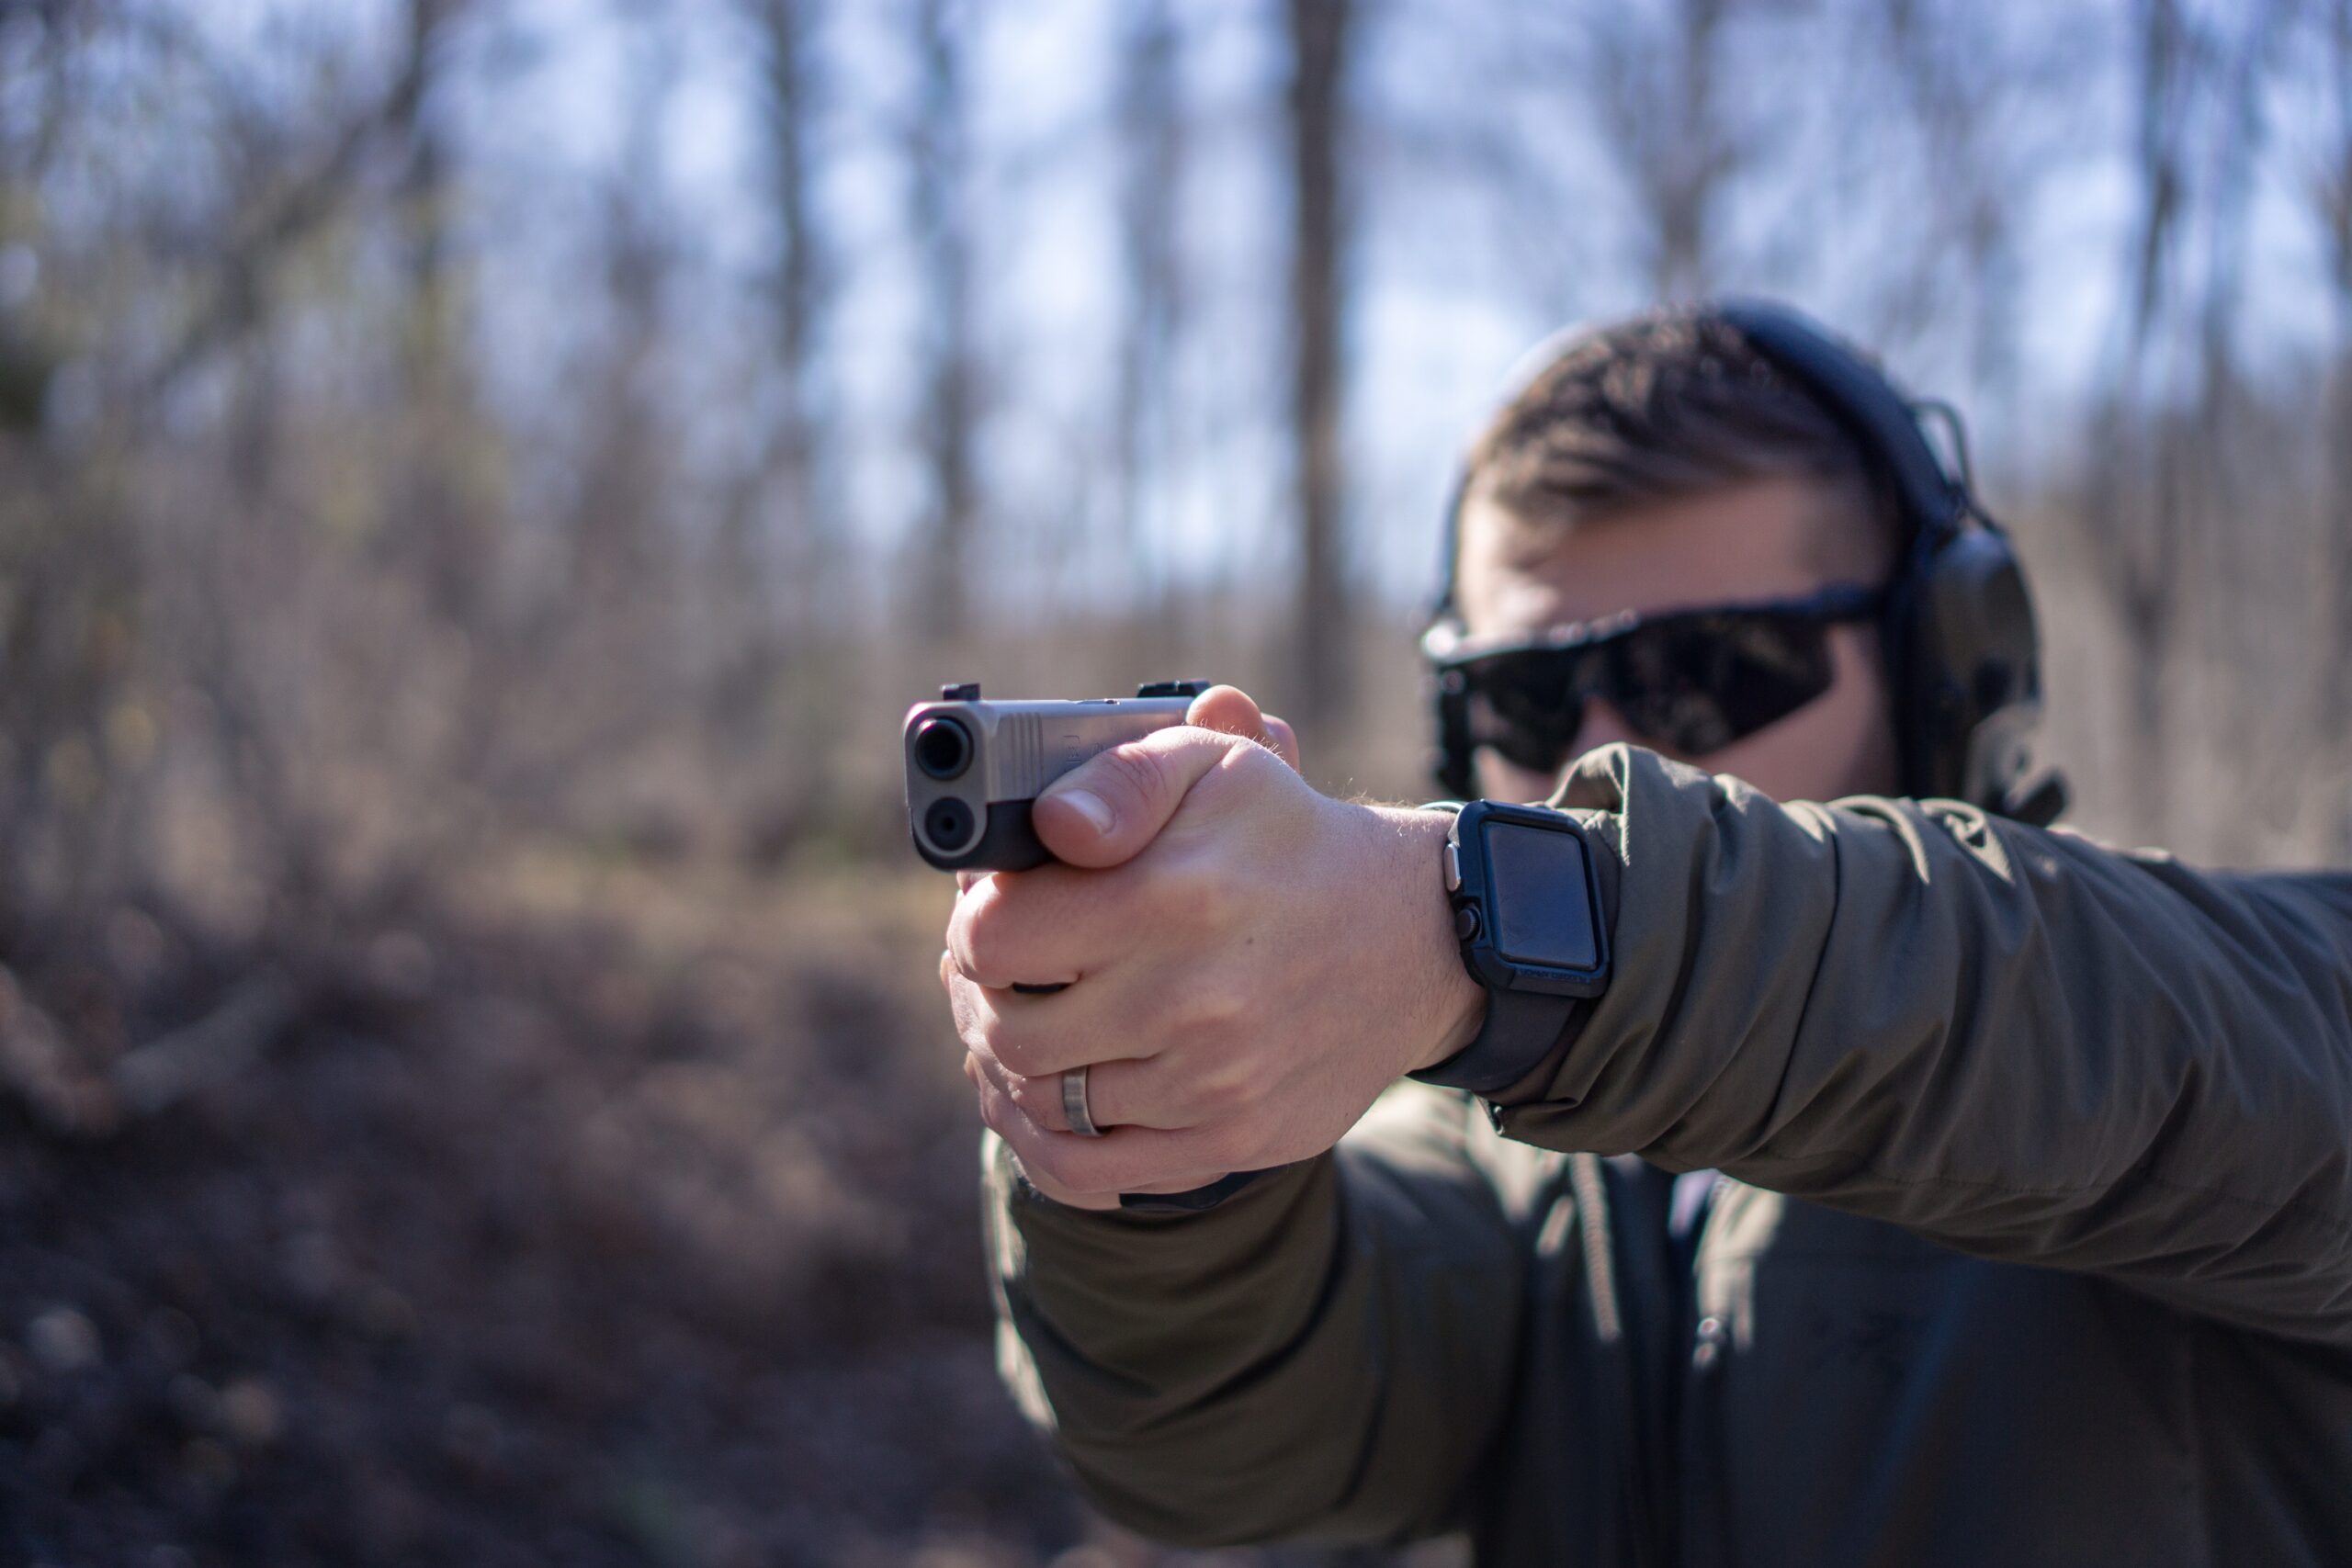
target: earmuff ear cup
1959 633
1973 667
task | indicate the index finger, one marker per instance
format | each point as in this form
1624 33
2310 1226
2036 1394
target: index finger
1039 929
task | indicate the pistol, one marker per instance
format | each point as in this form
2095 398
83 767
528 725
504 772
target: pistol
974 768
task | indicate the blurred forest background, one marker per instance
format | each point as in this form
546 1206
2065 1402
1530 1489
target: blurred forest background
481 479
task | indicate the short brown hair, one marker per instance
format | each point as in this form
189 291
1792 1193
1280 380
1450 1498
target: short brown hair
1667 404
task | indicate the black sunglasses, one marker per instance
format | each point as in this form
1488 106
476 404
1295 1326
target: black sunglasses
1692 680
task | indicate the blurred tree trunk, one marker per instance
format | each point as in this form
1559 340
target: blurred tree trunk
614 547
1654 80
2332 692
776 624
942 224
2226 591
1151 130
798 282
66 584
775 559
242 574
1947 73
1683 183
2137 509
2176 428
437 522
1319 33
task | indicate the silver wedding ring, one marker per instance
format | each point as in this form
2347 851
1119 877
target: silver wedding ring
1074 1103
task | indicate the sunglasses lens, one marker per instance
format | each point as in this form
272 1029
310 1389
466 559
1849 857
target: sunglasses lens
1529 706
1693 684
1699 683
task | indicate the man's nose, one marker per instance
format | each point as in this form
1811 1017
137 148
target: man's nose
1603 723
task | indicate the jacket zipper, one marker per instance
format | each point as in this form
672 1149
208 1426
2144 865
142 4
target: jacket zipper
1617 1345
1707 1537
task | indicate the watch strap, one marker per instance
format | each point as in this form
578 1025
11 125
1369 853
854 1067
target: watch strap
1522 1028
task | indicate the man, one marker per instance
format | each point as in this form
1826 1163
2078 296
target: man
2032 1236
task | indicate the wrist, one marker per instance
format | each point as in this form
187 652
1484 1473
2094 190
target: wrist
1416 881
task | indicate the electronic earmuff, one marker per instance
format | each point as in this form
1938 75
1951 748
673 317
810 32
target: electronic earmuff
1961 645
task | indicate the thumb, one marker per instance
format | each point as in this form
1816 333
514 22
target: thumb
1107 809
1231 709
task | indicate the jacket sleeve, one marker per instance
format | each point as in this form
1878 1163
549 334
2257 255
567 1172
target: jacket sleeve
1327 1354
2014 1041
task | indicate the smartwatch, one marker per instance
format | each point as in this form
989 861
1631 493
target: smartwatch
1527 914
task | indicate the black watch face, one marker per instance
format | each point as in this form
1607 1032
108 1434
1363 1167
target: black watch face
1537 897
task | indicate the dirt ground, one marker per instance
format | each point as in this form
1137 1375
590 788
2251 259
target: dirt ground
619 1219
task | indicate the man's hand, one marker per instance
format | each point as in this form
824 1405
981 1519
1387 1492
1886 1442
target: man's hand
1248 963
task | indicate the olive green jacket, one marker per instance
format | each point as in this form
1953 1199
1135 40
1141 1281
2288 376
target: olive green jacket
2034 1244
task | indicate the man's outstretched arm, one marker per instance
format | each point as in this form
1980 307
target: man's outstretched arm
2014 1041
1330 1354
2011 1040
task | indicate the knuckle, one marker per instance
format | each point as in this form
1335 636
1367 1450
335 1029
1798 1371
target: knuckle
973 947
1050 1158
980 1060
1134 773
1232 1144
973 1020
961 959
1222 1093
1214 1010
1199 892
1024 1093
991 1107
1253 766
1250 762
1015 1056
984 939
1211 1013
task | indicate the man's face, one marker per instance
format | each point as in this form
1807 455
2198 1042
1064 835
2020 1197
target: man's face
1775 538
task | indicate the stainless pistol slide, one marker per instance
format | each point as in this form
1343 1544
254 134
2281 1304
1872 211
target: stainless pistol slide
973 767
